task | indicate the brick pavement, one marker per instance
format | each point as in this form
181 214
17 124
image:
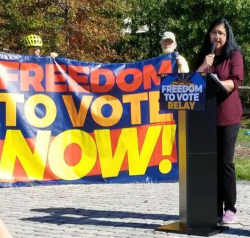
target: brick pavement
103 210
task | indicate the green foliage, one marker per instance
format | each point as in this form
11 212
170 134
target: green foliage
21 18
81 29
189 20
144 14
236 12
91 30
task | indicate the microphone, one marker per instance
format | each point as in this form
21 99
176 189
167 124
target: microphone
213 46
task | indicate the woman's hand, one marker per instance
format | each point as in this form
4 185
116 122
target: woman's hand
207 63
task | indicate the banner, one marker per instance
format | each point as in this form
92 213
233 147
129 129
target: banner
67 121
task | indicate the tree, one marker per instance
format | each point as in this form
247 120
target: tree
147 15
189 20
93 30
80 29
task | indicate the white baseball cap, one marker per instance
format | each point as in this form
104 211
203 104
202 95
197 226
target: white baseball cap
168 35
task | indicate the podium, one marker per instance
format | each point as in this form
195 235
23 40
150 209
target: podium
197 151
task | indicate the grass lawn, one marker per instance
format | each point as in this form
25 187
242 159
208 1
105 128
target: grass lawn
242 163
242 166
242 137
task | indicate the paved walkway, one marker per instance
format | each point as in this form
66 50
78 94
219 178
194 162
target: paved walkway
106 210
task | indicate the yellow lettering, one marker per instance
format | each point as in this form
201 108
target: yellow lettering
154 109
171 105
15 146
11 99
177 105
135 106
138 162
111 165
31 116
56 154
116 114
185 106
77 118
192 104
168 136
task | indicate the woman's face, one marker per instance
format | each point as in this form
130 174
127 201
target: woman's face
219 36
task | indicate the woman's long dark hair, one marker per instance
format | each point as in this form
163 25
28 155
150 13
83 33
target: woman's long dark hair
228 49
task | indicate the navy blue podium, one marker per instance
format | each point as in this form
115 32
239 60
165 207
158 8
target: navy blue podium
197 154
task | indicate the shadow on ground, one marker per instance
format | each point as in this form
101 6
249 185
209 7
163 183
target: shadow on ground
74 216
236 232
60 216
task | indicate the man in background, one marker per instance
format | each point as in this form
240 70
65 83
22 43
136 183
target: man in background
168 45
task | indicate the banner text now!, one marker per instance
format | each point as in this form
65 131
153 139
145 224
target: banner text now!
103 152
